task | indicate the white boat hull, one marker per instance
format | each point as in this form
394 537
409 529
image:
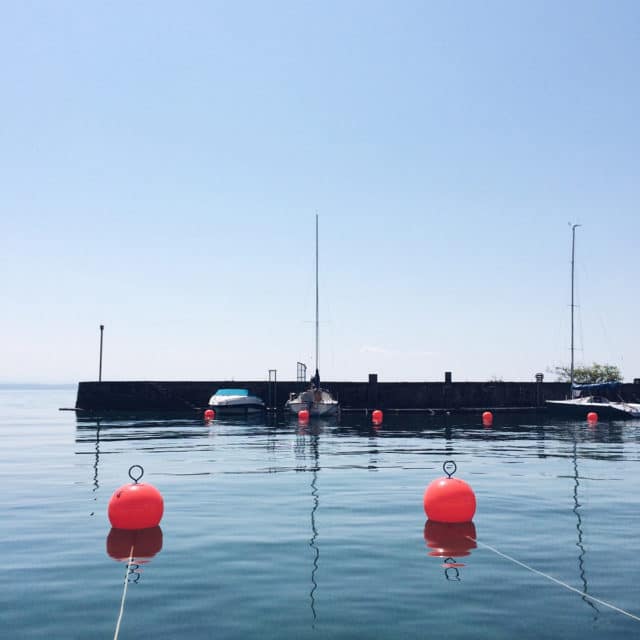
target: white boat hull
314 409
236 405
580 407
236 409
316 402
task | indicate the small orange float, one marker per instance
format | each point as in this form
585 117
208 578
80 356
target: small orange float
449 499
136 505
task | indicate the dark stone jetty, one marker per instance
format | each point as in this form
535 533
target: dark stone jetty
435 397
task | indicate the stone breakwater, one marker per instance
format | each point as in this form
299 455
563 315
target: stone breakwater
353 396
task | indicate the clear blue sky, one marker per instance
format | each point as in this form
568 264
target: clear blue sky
161 164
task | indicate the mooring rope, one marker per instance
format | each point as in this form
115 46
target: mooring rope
124 594
559 582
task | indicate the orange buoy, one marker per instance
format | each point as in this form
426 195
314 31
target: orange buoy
303 415
377 416
209 414
447 540
146 543
449 499
487 418
592 417
136 505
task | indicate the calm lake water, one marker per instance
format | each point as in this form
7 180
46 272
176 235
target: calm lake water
272 530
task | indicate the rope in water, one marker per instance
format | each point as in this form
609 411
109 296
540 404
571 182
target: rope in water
124 594
559 582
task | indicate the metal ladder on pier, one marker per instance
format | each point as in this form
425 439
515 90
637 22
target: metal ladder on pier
272 400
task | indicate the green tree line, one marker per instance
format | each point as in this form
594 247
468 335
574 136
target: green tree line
589 374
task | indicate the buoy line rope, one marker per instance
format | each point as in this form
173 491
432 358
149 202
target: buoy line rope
559 582
124 593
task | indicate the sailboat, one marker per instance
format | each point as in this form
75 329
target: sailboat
316 400
590 397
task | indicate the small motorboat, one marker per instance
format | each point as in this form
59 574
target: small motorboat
235 402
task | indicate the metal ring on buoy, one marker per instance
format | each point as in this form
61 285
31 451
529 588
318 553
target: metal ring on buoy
131 468
448 463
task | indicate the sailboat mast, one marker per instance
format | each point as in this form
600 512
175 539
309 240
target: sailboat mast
573 258
317 295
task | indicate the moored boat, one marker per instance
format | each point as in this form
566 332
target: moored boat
317 401
235 402
594 397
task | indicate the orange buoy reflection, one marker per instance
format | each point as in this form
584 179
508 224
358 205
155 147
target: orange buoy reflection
450 540
146 544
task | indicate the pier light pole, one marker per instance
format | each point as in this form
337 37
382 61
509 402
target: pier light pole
100 365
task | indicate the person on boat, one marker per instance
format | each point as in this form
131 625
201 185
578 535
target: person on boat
315 380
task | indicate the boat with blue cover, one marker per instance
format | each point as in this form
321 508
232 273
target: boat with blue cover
595 397
603 398
235 402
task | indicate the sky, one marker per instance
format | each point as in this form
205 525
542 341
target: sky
162 163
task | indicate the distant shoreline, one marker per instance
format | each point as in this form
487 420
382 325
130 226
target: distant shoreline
38 385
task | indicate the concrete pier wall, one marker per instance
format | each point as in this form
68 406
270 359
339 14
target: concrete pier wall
371 394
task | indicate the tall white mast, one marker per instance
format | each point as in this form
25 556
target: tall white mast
573 256
317 295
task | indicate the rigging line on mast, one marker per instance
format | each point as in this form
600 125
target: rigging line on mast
579 346
584 273
573 262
